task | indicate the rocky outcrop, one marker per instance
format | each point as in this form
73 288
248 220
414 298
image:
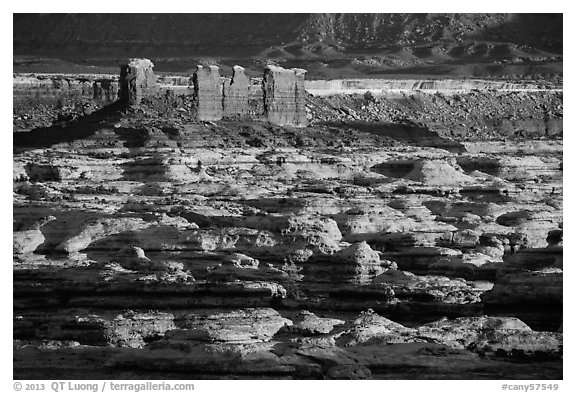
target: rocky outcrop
309 323
105 90
437 290
370 326
284 96
437 173
242 326
410 86
532 289
357 263
133 258
236 94
46 88
505 336
100 229
530 278
128 329
208 92
137 80
28 239
502 335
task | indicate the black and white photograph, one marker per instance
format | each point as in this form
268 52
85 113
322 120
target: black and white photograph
287 196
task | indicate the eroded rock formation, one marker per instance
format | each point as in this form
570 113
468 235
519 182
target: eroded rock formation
236 93
284 96
208 92
137 80
105 90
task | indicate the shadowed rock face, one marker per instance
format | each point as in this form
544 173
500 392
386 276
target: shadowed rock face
284 96
235 93
137 80
208 92
300 98
105 90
